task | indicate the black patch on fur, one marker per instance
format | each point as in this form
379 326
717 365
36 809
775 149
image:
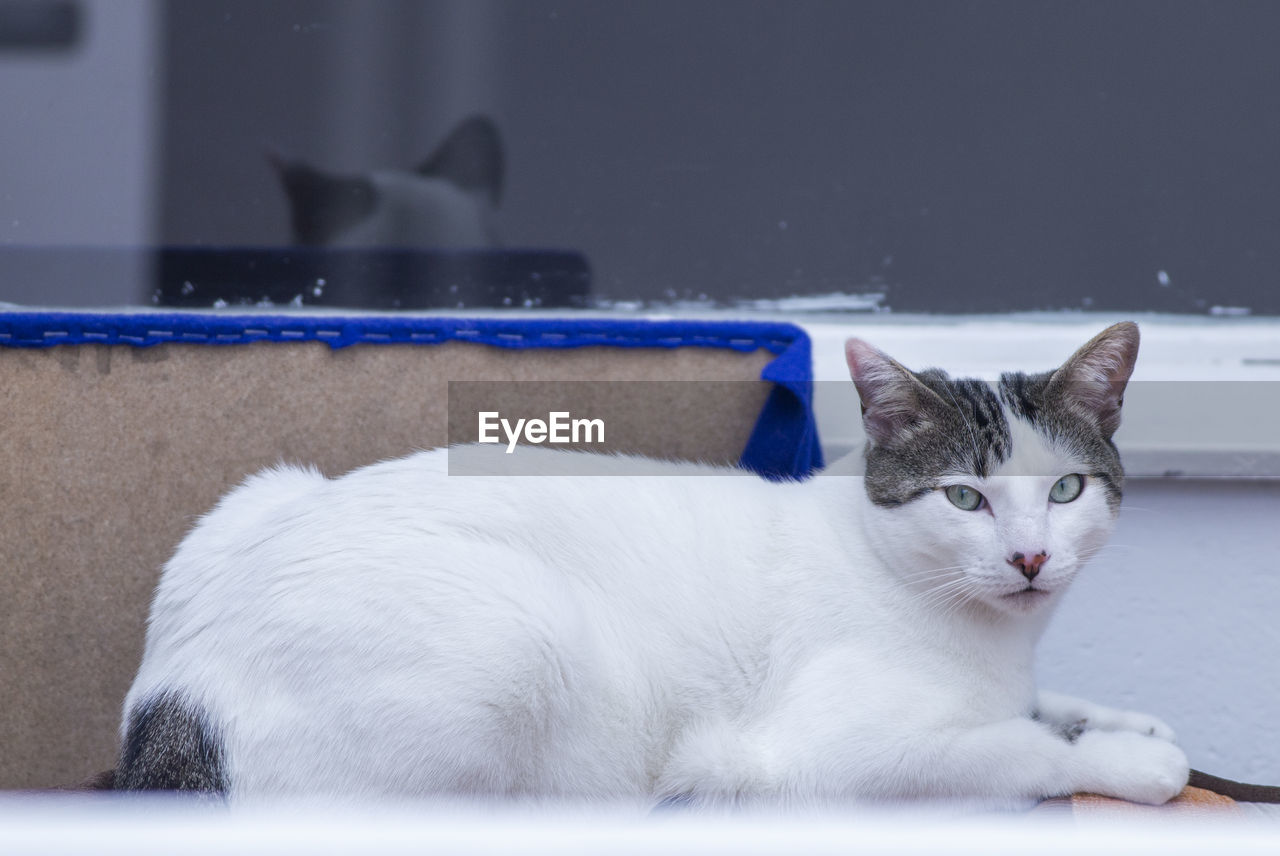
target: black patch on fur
104 781
171 746
961 429
675 802
1069 731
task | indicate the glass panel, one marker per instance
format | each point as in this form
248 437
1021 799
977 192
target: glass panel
767 154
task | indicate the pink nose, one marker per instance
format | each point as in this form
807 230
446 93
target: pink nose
1029 567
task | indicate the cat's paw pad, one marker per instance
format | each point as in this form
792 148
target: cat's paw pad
1130 766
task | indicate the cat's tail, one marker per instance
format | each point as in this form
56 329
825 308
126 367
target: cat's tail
1238 791
170 744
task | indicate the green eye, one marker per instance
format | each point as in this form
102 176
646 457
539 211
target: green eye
964 497
1066 488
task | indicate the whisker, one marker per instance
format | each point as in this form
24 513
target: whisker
940 593
1090 554
1112 545
956 603
921 587
944 586
917 574
946 593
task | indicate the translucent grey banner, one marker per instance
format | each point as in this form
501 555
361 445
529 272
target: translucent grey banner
1201 429
515 427
1187 429
1168 428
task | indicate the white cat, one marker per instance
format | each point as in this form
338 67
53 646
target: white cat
699 636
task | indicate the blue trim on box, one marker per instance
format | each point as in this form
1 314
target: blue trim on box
784 443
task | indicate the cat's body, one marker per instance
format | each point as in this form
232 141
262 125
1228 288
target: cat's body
695 634
448 202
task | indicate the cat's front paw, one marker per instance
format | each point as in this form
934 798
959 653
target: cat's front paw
1131 766
1071 716
1142 723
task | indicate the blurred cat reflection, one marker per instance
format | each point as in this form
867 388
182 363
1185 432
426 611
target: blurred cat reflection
448 201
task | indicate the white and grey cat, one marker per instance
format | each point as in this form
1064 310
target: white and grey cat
698 636
448 201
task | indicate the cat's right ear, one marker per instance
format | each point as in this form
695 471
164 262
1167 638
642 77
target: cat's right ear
471 157
893 399
1093 380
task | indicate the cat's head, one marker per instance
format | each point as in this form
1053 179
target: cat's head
994 492
447 201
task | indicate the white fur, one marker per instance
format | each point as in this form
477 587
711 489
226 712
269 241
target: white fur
401 631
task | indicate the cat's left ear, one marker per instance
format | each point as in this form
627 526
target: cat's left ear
1093 381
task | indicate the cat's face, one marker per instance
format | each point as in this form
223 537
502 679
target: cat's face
994 492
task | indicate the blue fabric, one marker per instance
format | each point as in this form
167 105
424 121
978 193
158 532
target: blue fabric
784 443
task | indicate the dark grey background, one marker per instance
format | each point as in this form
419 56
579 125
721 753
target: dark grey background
956 156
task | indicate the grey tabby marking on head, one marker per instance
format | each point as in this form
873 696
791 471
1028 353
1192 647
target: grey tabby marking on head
449 200
924 425
169 745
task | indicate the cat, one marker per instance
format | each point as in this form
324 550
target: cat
449 201
698 636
